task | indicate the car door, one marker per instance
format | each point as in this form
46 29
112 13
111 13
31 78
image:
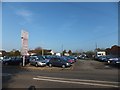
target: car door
32 60
16 61
58 62
53 61
12 61
19 60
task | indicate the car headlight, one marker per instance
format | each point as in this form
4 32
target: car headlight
67 64
117 62
108 61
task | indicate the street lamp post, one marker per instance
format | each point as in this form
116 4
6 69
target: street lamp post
42 52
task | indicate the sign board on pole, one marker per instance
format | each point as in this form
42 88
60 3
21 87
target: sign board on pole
24 49
24 41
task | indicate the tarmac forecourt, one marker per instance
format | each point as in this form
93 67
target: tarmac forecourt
79 81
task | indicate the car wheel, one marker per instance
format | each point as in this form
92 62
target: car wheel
50 65
36 65
63 66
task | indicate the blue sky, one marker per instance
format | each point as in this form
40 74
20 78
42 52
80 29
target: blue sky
50 25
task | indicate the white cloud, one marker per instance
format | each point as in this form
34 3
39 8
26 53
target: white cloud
25 14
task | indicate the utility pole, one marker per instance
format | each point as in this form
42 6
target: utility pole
95 49
62 49
96 46
42 52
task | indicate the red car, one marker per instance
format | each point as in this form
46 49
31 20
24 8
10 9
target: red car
69 60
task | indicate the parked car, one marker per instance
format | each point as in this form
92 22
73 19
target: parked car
76 57
68 59
6 58
83 56
103 58
47 58
56 61
73 58
114 61
37 61
13 61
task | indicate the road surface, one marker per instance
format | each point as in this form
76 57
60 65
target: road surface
83 74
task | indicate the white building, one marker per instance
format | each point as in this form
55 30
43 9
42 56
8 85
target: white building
58 54
100 53
52 52
66 54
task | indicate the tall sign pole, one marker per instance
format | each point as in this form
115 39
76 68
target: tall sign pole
24 42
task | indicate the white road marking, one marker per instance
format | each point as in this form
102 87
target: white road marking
79 81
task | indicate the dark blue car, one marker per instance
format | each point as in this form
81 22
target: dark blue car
114 61
56 61
14 61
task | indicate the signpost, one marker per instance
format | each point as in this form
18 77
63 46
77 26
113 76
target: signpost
24 42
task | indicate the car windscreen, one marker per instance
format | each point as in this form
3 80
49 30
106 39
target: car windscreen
47 57
40 58
71 57
67 58
63 59
18 59
6 57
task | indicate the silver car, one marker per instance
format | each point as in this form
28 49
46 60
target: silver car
37 61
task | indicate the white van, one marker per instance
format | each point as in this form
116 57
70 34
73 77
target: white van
100 53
